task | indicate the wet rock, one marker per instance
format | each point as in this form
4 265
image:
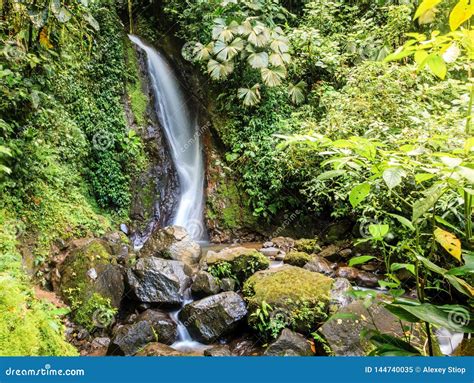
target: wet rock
319 265
345 253
205 284
211 318
270 251
289 289
124 228
100 342
243 262
339 295
246 345
87 270
165 328
361 278
151 326
289 343
156 280
331 253
268 244
158 349
218 351
284 243
369 267
172 242
228 284
343 334
297 258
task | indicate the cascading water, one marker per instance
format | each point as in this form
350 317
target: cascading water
182 133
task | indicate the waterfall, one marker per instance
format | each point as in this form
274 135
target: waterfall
182 132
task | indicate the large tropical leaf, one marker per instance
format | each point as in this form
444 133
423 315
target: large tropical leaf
449 242
432 196
218 70
296 92
258 60
393 177
358 194
225 51
273 76
250 96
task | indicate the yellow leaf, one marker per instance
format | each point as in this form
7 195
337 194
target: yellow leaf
425 6
44 39
460 14
449 242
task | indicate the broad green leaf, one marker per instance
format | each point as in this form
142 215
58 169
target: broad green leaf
467 269
258 60
422 177
404 221
451 162
388 345
296 92
442 221
360 260
250 96
227 51
449 242
219 71
399 266
331 174
423 205
273 76
437 65
460 14
393 177
467 173
437 316
358 194
379 231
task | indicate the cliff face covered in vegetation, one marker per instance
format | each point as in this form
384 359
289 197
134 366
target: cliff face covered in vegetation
341 121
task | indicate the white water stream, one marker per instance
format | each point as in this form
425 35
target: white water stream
183 135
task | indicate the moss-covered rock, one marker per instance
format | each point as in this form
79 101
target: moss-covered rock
91 279
298 295
297 258
238 263
309 246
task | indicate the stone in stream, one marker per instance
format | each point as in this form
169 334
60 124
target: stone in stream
221 350
284 243
150 326
320 265
289 343
361 278
270 251
158 349
340 294
204 285
211 318
160 281
297 258
290 290
172 242
343 335
228 284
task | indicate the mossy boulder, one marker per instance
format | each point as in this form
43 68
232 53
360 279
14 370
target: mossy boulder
309 246
91 270
298 295
238 263
297 258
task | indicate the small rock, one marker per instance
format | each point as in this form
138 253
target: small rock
124 228
101 342
349 273
82 334
205 284
218 351
158 349
319 265
270 251
284 243
268 244
345 253
289 343
246 345
366 279
210 318
92 274
280 256
228 284
331 253
369 267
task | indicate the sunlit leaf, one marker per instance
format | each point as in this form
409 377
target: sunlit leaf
460 14
358 194
449 242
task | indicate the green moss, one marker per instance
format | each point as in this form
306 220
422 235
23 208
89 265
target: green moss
237 263
309 246
297 258
28 327
95 312
138 99
301 295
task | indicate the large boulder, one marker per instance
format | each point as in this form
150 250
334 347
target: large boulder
221 350
172 242
297 258
299 295
234 262
211 318
150 326
159 281
361 278
88 270
289 343
343 334
158 349
320 265
205 284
